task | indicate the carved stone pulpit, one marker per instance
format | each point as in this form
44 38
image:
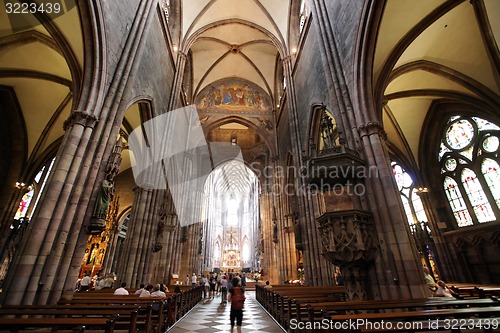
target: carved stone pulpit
348 241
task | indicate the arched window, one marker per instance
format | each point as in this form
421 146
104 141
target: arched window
416 215
27 206
166 9
302 15
457 203
470 169
491 173
410 195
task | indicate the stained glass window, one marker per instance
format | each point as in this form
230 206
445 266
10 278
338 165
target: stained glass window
166 9
460 134
451 164
490 144
457 203
22 209
418 206
477 197
412 203
302 15
468 155
484 125
491 172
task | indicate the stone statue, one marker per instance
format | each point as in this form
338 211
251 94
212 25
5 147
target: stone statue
104 198
275 232
93 254
298 232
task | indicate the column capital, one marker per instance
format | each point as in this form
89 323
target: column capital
371 128
82 118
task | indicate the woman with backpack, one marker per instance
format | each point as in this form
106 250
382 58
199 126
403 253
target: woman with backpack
236 297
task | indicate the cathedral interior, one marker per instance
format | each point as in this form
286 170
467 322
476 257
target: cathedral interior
294 140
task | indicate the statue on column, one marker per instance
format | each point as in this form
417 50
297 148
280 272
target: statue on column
104 198
161 225
275 232
106 190
200 243
297 231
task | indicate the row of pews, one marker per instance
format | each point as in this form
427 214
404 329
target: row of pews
101 311
325 309
474 291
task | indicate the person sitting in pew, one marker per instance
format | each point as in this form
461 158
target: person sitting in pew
443 290
147 291
140 290
121 290
429 280
157 292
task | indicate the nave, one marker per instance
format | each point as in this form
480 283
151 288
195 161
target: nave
316 142
210 316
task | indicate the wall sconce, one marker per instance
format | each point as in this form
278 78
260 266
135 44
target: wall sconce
176 48
22 186
422 190
294 50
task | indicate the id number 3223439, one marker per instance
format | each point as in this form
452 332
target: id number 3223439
46 7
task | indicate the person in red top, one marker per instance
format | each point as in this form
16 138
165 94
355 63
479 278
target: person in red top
236 297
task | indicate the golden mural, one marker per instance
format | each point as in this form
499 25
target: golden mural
233 94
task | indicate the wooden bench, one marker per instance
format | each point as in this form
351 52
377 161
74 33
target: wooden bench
475 290
79 324
367 321
173 307
127 317
284 302
152 318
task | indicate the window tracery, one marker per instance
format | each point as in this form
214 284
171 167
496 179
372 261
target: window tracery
468 156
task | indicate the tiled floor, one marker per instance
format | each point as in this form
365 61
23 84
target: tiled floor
210 316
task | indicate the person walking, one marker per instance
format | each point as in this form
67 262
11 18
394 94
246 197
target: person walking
237 299
223 285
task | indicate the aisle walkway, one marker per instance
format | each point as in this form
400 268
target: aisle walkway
210 316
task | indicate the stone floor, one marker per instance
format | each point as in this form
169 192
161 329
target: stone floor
210 316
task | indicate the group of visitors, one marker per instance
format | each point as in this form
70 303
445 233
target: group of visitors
157 290
100 281
231 287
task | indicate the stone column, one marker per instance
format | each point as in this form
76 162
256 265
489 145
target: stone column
25 282
138 247
269 261
289 271
397 270
316 267
165 242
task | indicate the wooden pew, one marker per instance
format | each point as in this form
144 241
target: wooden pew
146 318
179 303
475 290
79 324
281 301
392 319
320 307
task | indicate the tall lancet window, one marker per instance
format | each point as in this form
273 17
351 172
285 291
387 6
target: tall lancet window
416 216
27 206
302 15
410 195
166 9
468 157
